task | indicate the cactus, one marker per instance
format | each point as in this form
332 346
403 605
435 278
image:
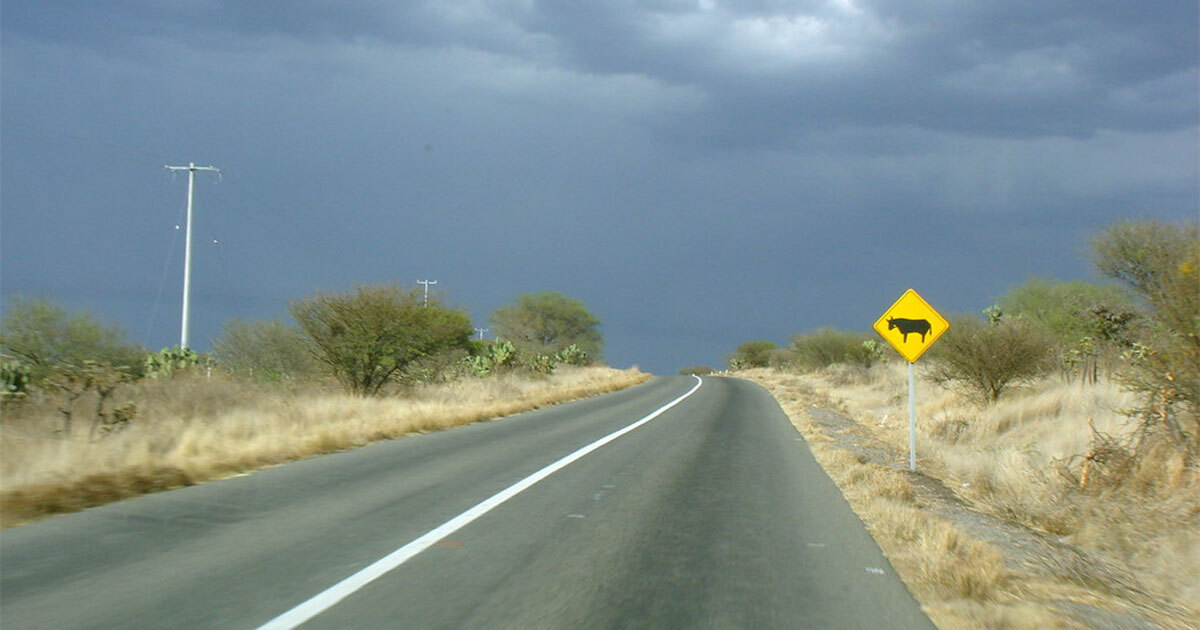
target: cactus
502 353
15 378
874 352
994 314
498 355
572 355
479 366
165 362
540 364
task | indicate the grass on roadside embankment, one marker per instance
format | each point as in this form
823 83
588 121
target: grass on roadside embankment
1002 464
193 429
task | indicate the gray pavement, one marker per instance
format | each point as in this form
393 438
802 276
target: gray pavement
713 515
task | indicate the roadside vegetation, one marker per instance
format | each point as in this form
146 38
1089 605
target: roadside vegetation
89 417
1059 477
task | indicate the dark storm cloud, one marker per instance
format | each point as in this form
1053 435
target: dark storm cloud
1025 69
700 173
769 69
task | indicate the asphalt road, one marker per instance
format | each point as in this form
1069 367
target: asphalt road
711 515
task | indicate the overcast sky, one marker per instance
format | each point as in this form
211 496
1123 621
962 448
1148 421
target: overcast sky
699 173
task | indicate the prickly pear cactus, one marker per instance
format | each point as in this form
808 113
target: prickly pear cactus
540 364
502 353
572 355
479 366
874 351
14 380
165 362
499 354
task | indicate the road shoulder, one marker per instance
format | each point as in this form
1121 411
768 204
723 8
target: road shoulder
968 569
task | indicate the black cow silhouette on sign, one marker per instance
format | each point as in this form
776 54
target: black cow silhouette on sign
910 327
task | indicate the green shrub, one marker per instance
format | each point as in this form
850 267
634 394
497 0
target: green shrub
827 346
750 355
698 370
987 359
269 351
1090 323
1071 310
40 334
367 337
441 367
545 323
1160 262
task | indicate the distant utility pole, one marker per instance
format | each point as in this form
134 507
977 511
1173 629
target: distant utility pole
481 331
426 283
191 168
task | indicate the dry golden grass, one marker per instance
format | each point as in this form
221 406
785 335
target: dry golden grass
956 579
193 429
1005 461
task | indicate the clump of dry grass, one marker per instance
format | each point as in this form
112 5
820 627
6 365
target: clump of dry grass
194 429
1023 460
941 565
958 580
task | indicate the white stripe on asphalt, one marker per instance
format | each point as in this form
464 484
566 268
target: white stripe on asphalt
336 593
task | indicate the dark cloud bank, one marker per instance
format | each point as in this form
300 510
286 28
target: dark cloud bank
699 173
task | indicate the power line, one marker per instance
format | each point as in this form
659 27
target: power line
162 282
311 245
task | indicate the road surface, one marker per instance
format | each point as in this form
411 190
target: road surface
711 514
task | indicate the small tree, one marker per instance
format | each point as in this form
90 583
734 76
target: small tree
1091 323
1161 263
989 358
74 380
270 350
367 336
546 323
42 334
750 354
828 346
1071 310
697 370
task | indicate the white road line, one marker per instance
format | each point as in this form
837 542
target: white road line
336 593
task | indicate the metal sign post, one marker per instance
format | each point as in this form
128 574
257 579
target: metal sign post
912 418
911 326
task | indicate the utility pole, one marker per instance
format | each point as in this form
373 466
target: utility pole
426 283
481 331
191 168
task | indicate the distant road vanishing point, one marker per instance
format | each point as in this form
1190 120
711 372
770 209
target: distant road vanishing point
674 504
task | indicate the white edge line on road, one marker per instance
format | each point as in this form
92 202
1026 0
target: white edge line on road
336 593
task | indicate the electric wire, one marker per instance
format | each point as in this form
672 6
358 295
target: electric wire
257 211
162 282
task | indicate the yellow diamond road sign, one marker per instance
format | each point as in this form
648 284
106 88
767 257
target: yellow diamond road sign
911 326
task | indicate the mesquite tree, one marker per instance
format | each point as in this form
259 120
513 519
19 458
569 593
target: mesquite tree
367 336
